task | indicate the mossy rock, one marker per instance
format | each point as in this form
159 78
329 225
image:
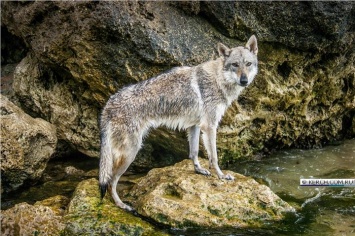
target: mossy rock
88 215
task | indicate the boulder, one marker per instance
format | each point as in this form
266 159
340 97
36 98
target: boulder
82 52
88 215
178 197
40 93
43 218
26 146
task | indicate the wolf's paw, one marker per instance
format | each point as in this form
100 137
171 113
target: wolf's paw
227 177
202 171
130 209
126 207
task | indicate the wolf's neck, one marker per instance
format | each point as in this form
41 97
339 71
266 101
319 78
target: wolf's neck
232 93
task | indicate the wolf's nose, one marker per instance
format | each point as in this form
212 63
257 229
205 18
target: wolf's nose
243 80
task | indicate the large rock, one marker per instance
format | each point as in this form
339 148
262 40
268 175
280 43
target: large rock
81 52
26 146
178 197
43 218
61 103
87 215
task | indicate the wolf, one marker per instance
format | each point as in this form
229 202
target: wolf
191 98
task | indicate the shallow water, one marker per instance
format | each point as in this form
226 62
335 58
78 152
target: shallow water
55 181
320 211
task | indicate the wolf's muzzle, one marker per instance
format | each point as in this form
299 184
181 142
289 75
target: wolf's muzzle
243 80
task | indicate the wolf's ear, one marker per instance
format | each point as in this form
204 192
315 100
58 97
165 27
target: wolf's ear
223 50
252 45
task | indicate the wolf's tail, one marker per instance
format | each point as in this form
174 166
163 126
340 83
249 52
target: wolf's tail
105 173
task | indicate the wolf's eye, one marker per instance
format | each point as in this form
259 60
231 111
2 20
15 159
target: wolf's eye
248 64
235 64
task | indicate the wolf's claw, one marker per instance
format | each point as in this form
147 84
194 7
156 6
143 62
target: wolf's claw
202 171
227 177
126 207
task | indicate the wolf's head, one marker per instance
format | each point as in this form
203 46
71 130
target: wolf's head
240 63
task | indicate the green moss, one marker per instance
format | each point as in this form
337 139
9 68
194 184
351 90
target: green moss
87 215
172 193
162 218
214 211
188 224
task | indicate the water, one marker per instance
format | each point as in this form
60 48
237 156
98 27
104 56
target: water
55 181
320 211
283 170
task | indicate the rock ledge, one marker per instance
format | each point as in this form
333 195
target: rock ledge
178 197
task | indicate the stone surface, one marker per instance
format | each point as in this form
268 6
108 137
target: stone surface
56 102
43 218
26 146
299 99
71 170
87 215
301 25
81 52
57 203
178 197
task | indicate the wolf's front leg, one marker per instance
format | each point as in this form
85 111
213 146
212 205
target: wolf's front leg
194 135
209 139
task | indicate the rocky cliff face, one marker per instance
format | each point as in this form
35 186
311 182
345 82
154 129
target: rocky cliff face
81 52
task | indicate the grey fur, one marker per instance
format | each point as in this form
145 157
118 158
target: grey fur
192 98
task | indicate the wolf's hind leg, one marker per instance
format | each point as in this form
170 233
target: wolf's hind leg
194 135
115 196
120 165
